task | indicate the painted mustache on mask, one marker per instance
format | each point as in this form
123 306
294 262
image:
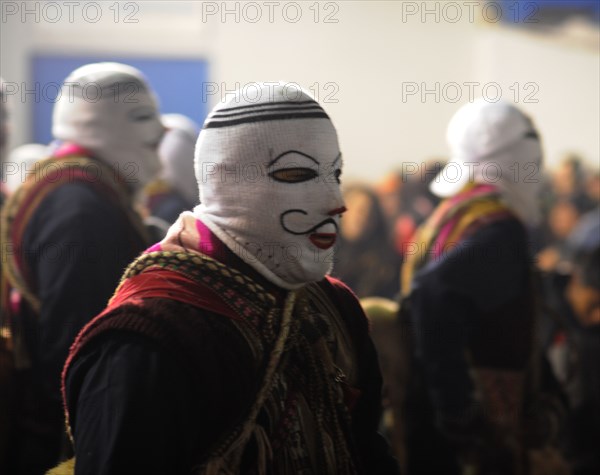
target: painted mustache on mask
308 231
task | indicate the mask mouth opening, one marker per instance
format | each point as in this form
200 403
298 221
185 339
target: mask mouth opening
323 240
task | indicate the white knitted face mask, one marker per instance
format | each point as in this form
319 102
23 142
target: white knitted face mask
496 144
109 109
270 186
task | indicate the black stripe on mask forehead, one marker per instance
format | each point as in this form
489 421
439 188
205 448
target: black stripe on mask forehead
214 124
267 104
285 108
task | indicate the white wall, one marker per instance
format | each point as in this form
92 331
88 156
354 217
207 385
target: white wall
567 80
364 61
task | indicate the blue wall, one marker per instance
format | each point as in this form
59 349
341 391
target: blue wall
178 84
536 12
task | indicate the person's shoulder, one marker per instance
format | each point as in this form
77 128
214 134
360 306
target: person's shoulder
335 286
187 332
78 208
346 302
81 187
485 244
74 212
76 196
510 229
170 314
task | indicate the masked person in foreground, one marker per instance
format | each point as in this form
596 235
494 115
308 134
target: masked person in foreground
226 347
67 234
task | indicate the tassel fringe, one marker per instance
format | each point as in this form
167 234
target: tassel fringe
228 462
65 468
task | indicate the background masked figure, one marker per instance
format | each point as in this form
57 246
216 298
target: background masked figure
468 298
176 189
71 230
227 348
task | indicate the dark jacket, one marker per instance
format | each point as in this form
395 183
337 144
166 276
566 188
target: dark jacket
471 309
75 247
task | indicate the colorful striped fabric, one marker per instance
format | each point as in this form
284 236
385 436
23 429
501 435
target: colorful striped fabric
453 221
66 166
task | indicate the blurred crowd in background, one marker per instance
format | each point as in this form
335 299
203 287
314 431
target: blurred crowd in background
383 217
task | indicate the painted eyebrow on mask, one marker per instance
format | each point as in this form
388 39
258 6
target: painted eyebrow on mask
272 162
